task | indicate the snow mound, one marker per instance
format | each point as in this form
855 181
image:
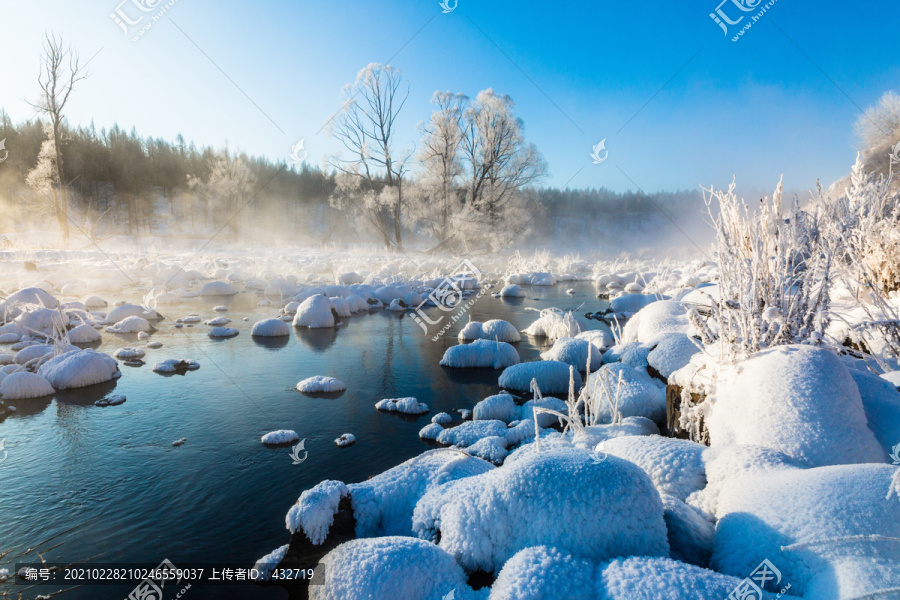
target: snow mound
9 338
483 521
131 325
41 320
217 288
639 395
121 313
673 352
84 334
383 505
320 384
542 573
799 400
655 320
526 411
218 322
313 513
15 305
340 306
600 338
29 353
832 514
554 324
409 406
314 312
512 291
881 402
500 407
95 302
223 332
23 385
390 567
495 329
128 353
575 352
481 353
552 377
627 305
430 431
690 533
346 439
442 418
676 467
470 432
270 328
281 436
643 578
174 365
79 368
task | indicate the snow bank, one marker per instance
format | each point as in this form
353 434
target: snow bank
320 384
552 377
281 436
391 568
495 329
799 400
79 368
481 353
314 312
270 328
409 406
611 506
500 407
881 403
575 352
217 288
383 505
760 515
23 385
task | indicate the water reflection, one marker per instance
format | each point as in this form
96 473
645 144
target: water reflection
319 339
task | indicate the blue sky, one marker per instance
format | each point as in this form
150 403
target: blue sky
679 103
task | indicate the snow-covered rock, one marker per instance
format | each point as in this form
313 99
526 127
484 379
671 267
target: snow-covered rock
79 368
217 288
690 534
84 334
512 291
552 377
23 385
638 395
575 352
129 353
601 339
495 329
346 439
482 521
470 432
320 384
500 407
281 436
676 467
655 319
672 352
314 312
174 365
481 353
554 324
218 322
124 311
881 403
223 332
131 324
313 513
542 573
442 418
41 320
409 406
18 302
270 328
800 400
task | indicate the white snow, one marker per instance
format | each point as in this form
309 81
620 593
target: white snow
314 312
217 288
545 573
600 338
609 509
23 385
281 436
495 329
320 384
270 328
121 313
346 439
575 352
79 368
430 431
223 332
554 324
84 334
512 291
129 353
131 325
500 407
673 352
314 511
269 562
481 353
656 319
442 418
409 406
173 365
799 400
552 377
675 466
218 322
639 395
470 432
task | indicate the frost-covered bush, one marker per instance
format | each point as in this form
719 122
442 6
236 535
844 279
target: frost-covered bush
554 324
775 274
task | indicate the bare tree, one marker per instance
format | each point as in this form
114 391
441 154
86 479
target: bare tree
60 71
441 158
365 127
501 163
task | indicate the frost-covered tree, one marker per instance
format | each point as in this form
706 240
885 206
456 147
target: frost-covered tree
43 179
60 71
365 126
228 188
878 129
